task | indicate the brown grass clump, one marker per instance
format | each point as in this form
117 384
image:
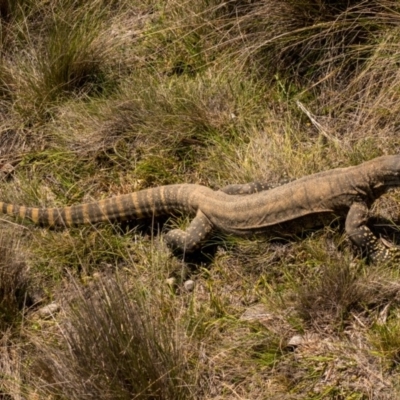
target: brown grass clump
13 282
309 39
116 344
341 291
71 59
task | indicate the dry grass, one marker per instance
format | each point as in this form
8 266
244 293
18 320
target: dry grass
14 302
99 98
10 367
116 343
14 282
341 291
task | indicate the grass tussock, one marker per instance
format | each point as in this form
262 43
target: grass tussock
100 98
117 343
72 60
342 291
314 39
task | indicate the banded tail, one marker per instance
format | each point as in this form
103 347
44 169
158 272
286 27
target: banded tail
143 204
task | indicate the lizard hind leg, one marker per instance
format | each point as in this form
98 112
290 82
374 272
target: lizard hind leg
361 235
191 239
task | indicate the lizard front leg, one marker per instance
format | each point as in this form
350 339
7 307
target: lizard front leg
191 239
359 233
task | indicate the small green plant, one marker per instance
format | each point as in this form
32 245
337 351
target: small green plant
385 340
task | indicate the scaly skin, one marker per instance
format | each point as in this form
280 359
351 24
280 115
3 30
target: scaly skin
246 209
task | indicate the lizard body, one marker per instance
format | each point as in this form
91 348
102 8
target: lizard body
246 209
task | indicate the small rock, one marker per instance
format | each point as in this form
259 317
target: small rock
171 282
257 312
48 311
6 169
189 285
295 341
96 276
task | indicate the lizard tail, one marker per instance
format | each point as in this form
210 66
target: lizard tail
162 200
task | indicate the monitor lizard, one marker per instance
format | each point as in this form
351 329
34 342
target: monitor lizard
246 209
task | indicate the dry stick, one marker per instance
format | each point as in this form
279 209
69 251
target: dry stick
319 127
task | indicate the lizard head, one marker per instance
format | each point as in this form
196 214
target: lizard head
385 172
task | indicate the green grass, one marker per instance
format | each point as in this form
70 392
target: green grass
101 98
